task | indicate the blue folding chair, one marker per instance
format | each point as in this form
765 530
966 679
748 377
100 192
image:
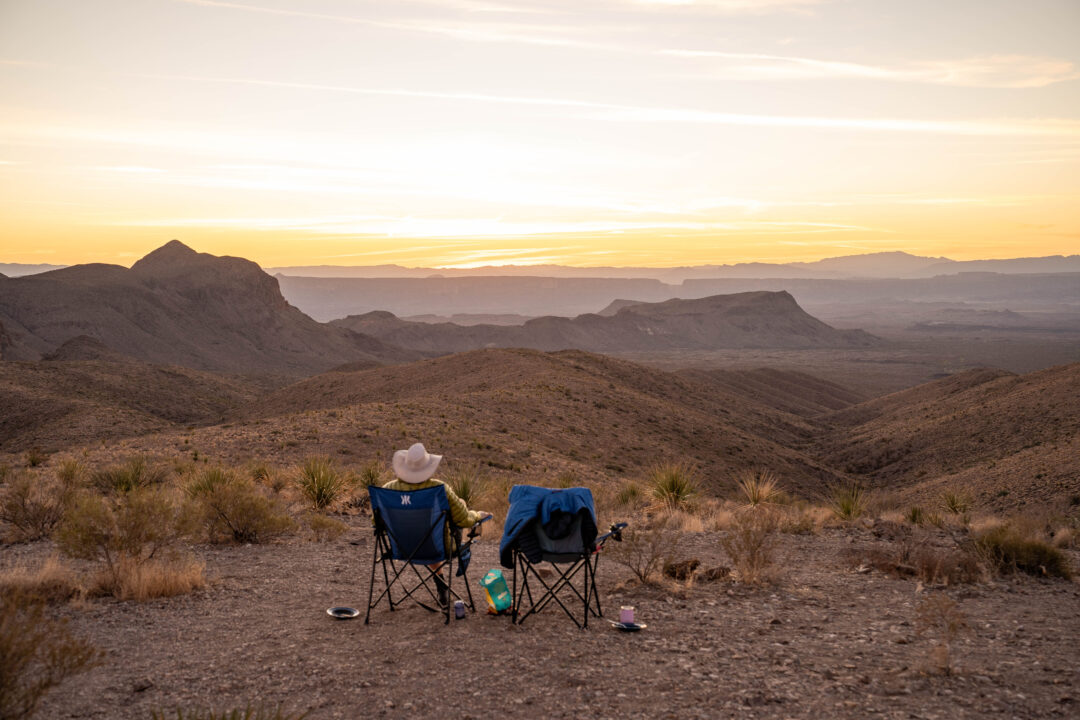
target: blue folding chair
411 531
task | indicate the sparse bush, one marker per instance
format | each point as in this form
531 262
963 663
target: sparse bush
71 473
35 457
848 502
645 549
1008 550
939 617
230 508
321 482
373 473
32 507
147 580
955 503
36 655
802 520
121 534
674 485
750 544
759 486
325 529
248 713
135 474
53 581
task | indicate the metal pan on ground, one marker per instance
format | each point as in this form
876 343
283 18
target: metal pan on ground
628 627
343 613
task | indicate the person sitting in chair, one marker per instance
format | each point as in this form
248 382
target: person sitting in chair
414 469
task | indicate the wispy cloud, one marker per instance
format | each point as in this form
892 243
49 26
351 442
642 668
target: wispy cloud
998 71
532 34
635 113
129 169
736 6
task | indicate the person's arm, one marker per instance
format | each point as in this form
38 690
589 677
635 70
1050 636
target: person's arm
460 512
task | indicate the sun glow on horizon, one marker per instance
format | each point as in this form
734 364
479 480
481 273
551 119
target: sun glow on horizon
603 132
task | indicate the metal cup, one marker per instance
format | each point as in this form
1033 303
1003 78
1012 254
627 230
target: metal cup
459 609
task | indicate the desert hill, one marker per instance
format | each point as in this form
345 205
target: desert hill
177 307
744 320
1004 438
66 403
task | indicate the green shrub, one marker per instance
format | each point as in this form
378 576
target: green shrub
759 486
248 713
134 474
321 482
36 655
848 502
230 508
373 473
673 485
1008 550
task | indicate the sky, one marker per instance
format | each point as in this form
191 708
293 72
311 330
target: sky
460 133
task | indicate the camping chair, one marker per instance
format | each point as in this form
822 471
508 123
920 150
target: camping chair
560 530
410 531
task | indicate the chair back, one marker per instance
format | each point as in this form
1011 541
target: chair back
561 539
415 522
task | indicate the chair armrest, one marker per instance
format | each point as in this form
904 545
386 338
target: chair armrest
475 530
615 532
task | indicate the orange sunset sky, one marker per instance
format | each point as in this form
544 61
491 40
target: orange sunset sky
582 132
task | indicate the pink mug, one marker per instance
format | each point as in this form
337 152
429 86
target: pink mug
626 615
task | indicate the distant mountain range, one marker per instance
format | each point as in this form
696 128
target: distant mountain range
871 265
175 306
744 320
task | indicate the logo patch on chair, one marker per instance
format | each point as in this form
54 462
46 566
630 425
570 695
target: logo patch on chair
405 500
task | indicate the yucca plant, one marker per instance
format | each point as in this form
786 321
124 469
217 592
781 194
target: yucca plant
759 486
134 474
465 482
955 503
372 473
321 482
628 494
915 515
848 501
674 485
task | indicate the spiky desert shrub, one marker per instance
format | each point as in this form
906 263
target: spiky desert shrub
466 481
751 542
134 474
955 503
231 508
32 507
759 486
36 655
248 713
939 618
674 485
325 529
1008 550
847 502
915 515
321 482
372 473
629 494
646 548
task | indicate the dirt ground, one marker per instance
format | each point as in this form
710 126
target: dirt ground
825 641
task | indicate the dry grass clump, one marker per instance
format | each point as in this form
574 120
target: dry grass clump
939 618
1008 550
248 713
147 580
52 582
760 486
955 503
321 483
918 558
134 474
673 485
232 508
629 495
35 457
36 655
751 542
645 549
325 529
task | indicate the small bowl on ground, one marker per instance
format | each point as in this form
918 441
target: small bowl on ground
628 627
343 613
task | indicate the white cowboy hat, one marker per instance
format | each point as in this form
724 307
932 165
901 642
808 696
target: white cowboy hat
415 465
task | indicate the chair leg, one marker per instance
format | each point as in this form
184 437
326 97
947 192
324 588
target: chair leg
371 582
449 587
